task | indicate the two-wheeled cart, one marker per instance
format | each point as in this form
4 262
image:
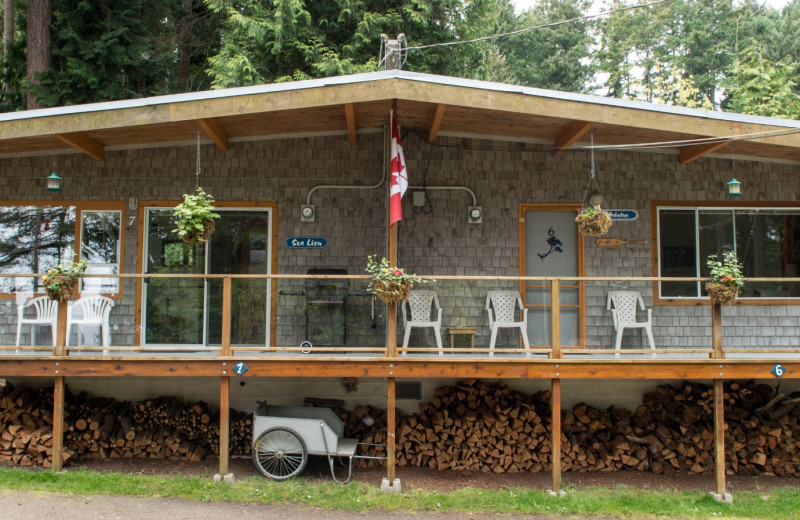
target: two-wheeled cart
284 437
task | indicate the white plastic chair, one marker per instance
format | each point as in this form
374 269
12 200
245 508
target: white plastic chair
45 314
94 312
622 305
502 309
419 303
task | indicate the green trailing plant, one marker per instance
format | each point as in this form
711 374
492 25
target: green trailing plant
389 283
61 281
194 217
727 280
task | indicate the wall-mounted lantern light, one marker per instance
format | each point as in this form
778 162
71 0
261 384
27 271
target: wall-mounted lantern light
53 182
734 188
307 213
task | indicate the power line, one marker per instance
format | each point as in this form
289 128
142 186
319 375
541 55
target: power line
526 29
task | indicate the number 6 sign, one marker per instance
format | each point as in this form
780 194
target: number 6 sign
778 370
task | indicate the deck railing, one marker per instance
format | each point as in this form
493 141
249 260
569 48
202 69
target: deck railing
273 315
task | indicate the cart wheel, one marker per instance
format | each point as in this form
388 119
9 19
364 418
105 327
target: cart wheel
280 453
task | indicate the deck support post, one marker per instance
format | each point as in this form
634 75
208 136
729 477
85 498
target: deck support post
224 430
391 484
555 452
58 423
716 331
721 494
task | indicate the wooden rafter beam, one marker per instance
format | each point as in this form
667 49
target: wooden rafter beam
213 130
350 115
82 142
694 152
433 131
568 137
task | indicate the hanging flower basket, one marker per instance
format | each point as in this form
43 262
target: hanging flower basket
721 294
390 284
727 279
593 222
194 217
61 281
389 291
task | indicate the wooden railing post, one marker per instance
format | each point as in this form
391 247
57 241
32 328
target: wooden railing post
225 348
61 330
555 318
716 331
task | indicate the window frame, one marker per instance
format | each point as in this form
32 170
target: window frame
80 206
656 205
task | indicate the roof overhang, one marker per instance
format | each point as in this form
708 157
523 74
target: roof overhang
428 103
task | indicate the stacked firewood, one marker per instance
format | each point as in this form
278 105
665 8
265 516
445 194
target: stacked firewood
468 426
26 427
100 428
474 426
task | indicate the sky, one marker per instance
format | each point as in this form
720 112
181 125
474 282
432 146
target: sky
521 5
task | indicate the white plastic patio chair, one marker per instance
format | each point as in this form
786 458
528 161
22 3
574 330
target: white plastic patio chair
622 305
502 309
45 313
94 311
419 304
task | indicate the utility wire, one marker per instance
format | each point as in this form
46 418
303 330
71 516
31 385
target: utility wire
702 140
533 28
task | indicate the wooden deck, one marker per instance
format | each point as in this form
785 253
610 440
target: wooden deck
552 363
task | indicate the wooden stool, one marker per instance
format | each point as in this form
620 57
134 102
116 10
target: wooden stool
462 330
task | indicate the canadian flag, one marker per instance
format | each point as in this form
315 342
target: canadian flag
398 182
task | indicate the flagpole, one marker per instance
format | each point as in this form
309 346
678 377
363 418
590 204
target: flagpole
391 333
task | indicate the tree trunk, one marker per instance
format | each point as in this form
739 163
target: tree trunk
38 48
8 29
185 46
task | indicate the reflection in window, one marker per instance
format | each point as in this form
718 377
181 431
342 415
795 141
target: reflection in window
33 239
100 248
766 241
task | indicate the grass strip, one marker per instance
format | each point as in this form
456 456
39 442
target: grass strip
617 502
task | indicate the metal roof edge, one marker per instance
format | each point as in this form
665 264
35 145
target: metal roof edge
403 75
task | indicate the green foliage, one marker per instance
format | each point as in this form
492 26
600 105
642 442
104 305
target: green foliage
762 87
60 274
728 271
192 215
287 40
551 57
386 279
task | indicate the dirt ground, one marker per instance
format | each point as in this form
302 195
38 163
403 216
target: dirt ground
424 478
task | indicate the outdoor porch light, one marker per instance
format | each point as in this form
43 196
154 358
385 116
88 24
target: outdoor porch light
475 215
734 187
53 182
307 213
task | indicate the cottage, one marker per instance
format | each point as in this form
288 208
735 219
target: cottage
300 174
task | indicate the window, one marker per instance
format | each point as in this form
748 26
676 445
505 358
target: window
766 242
34 238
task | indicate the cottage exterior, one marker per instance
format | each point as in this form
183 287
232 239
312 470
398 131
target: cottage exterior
300 165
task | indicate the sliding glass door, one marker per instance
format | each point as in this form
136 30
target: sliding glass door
188 311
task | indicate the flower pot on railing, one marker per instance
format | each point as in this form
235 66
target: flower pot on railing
726 278
721 294
593 222
391 291
390 284
61 281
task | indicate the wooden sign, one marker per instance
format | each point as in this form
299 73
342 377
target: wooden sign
306 242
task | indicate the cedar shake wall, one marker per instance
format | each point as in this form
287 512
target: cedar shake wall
434 241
